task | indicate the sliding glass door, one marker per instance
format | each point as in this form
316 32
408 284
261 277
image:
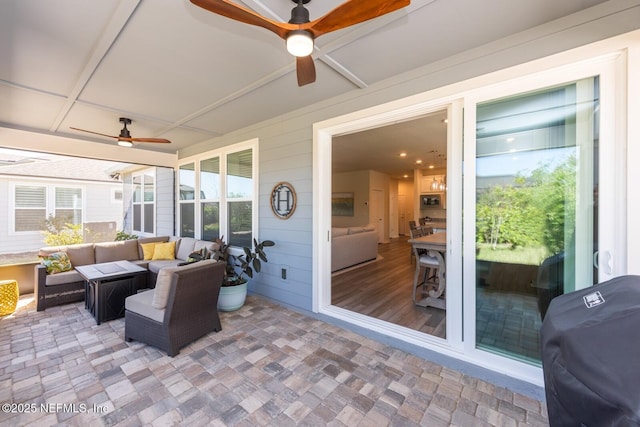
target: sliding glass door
536 216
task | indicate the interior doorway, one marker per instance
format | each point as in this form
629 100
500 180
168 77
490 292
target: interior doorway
393 165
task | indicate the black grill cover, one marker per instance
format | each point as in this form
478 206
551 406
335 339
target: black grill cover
591 355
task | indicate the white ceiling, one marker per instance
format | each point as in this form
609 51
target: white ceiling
182 73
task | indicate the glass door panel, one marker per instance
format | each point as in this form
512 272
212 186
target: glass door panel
536 210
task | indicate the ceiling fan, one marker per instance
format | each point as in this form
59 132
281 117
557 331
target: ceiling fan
299 32
125 139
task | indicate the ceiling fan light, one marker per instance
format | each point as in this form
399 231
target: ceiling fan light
127 144
299 43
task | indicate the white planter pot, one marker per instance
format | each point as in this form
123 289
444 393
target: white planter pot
232 297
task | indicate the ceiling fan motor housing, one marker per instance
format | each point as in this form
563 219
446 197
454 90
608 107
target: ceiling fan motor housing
299 14
124 132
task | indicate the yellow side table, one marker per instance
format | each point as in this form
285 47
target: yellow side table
9 294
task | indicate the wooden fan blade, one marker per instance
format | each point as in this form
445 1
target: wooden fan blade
352 12
240 13
95 133
306 70
158 140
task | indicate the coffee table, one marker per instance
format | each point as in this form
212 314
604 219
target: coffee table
107 285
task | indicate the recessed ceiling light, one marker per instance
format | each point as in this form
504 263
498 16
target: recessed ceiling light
418 161
431 166
403 154
511 139
406 176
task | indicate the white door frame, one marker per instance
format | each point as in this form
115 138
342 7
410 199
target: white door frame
568 66
395 112
611 210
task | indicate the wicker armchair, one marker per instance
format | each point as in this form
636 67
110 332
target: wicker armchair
191 308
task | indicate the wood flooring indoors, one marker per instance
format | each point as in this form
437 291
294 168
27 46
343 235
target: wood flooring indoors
382 289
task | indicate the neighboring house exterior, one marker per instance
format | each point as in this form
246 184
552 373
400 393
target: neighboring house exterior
37 186
148 200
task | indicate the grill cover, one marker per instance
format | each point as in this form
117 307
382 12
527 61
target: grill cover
591 355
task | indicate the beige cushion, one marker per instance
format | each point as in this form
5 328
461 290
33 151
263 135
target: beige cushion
185 247
82 254
161 291
156 266
116 251
163 282
63 278
199 244
140 303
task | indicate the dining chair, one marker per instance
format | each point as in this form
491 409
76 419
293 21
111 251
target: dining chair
414 232
428 262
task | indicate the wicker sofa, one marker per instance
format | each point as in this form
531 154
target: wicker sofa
179 310
68 286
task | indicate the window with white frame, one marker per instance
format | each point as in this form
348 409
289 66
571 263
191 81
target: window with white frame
143 202
33 204
68 205
187 178
217 195
240 198
210 200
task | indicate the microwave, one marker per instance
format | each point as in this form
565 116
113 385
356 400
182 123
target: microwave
430 201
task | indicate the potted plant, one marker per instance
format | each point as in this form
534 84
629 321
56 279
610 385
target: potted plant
240 268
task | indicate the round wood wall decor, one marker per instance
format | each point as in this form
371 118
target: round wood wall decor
283 200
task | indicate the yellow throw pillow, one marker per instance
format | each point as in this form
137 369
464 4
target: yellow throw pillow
147 250
164 251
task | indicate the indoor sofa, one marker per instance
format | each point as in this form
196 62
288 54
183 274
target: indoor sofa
352 245
64 287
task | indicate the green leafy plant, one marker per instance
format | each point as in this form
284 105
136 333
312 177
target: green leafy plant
122 235
57 232
240 268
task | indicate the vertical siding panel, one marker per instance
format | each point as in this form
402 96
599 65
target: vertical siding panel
165 194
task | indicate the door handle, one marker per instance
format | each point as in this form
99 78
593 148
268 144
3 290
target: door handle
608 269
606 262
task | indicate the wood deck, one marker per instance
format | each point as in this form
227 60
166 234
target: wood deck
382 289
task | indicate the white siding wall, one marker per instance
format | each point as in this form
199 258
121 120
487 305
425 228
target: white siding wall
98 205
357 183
286 143
165 192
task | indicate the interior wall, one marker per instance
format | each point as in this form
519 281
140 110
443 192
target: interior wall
356 182
394 209
380 182
406 189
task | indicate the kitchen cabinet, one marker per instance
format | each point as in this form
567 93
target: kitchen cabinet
426 183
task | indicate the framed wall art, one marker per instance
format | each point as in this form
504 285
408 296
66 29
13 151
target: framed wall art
342 204
283 200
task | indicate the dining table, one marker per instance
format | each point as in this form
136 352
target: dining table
435 245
